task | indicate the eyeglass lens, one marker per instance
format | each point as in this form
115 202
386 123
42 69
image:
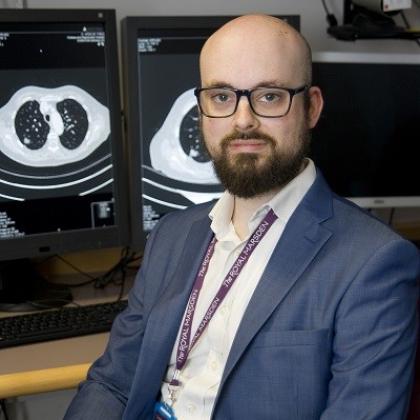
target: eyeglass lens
268 101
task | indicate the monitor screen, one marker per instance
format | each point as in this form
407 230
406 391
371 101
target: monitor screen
61 174
169 167
367 140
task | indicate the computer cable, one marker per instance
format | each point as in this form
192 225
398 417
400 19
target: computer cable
391 216
331 19
116 274
91 279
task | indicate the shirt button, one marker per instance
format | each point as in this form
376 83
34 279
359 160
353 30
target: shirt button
213 365
191 408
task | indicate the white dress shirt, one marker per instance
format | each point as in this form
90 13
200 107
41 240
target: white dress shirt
202 373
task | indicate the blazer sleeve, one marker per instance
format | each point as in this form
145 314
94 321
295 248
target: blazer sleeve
104 394
375 338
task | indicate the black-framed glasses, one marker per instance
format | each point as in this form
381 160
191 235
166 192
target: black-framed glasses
222 102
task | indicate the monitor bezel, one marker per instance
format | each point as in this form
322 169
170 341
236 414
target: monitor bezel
130 26
373 58
50 243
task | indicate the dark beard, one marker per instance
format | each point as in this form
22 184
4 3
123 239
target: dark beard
244 177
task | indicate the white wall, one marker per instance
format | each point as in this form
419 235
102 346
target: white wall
312 16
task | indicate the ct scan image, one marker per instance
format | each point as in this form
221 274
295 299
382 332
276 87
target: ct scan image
55 130
52 126
176 170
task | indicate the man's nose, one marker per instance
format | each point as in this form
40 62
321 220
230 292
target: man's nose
244 117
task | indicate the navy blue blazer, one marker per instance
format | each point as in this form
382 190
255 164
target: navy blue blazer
329 333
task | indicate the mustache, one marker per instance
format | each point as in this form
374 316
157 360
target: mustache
254 135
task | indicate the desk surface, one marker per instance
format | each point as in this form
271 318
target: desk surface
49 366
52 354
57 364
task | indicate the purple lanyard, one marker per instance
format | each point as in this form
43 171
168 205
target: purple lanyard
185 343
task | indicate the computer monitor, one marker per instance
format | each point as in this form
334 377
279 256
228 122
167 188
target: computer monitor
367 142
169 167
62 174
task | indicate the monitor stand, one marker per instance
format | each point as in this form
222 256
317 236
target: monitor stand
23 289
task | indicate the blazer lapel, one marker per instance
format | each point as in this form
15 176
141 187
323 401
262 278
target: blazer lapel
302 239
165 317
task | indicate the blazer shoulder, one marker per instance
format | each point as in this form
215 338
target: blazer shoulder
186 217
357 222
176 223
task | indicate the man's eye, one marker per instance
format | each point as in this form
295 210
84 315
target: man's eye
220 97
269 97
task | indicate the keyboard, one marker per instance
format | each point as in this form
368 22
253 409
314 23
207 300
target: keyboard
58 323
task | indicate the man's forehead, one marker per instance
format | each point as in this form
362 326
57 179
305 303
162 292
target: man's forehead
253 64
251 28
248 39
259 23
251 49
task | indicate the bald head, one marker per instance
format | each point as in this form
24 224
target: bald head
252 41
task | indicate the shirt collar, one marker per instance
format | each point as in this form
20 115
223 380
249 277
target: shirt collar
283 203
221 215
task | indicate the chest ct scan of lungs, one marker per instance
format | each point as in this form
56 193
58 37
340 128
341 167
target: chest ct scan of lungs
177 150
52 126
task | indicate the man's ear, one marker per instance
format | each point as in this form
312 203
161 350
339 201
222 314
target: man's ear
316 104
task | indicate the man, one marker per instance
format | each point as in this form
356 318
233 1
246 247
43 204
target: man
280 301
414 410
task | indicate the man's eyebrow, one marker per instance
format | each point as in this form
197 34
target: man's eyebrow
264 83
271 83
215 85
